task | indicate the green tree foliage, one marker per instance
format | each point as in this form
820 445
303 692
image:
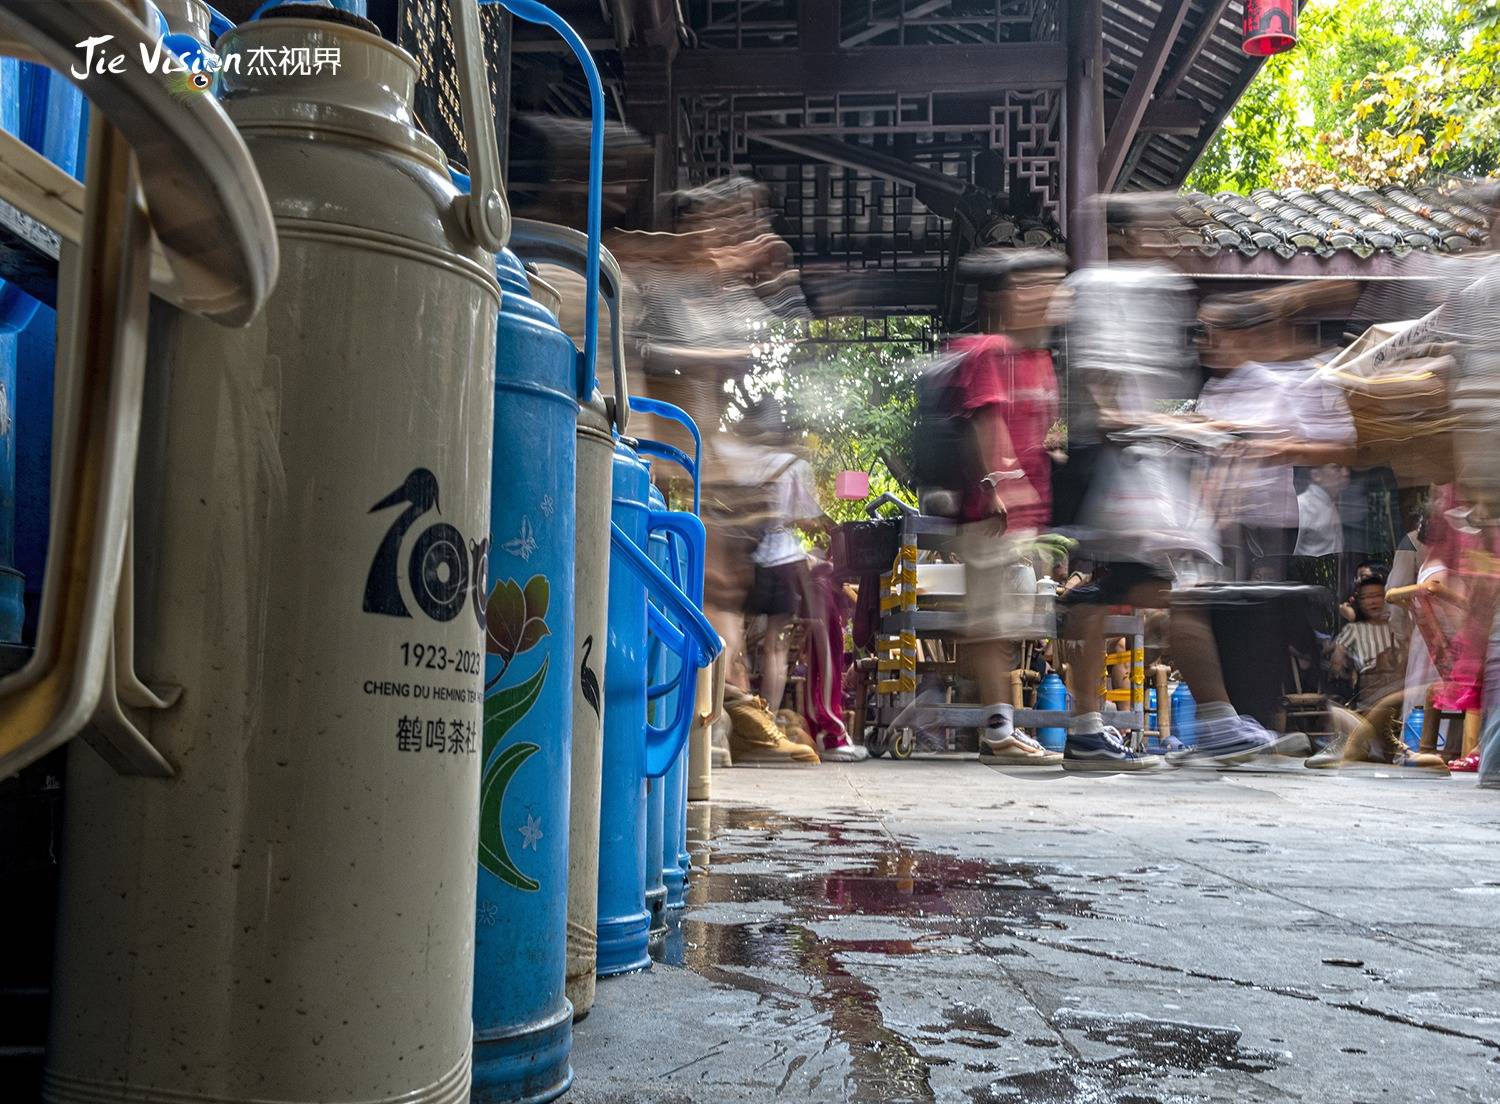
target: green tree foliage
854 399
1374 93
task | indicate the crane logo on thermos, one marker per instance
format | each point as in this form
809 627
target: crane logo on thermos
444 572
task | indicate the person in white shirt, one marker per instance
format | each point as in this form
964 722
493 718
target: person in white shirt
1265 386
781 566
1320 529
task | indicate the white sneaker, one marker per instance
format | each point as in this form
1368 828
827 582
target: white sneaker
843 753
1017 748
1228 743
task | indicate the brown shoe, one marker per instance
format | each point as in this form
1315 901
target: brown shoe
755 737
790 722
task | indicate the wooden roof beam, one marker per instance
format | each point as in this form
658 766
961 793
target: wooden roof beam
1163 116
937 191
1189 58
924 69
1127 122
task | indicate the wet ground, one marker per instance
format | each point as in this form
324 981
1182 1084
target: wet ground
940 930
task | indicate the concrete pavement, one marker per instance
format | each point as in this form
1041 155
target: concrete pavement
941 930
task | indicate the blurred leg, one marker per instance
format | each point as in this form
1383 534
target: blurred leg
1197 656
773 652
989 663
730 624
1083 632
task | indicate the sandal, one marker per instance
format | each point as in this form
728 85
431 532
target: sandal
1469 764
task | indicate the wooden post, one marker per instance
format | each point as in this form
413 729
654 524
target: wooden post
1085 134
1162 677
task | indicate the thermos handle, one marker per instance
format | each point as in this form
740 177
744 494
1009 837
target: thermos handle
533 12
715 692
48 193
676 571
484 209
53 697
696 642
218 23
220 236
663 744
673 570
562 245
669 452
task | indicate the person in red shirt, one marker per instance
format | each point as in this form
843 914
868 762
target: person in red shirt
1006 388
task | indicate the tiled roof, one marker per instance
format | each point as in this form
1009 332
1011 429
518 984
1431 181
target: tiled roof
1359 221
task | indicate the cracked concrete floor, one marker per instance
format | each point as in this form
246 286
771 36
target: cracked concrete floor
941 930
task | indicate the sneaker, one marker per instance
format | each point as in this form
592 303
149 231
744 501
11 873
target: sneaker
1227 743
1030 743
843 752
755 738
1104 751
1017 749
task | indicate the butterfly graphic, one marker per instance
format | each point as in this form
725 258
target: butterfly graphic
524 544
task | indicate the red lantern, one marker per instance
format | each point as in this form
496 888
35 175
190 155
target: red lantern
1270 27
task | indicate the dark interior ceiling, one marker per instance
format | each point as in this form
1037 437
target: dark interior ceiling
871 120
891 134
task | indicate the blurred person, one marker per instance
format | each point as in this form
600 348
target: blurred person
1406 562
1005 391
1365 569
1320 529
1129 362
1263 387
1377 656
1467 289
759 566
1369 648
783 588
1470 319
1127 359
1454 611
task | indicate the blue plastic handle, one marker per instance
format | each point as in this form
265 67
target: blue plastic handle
533 12
186 47
17 309
665 743
669 452
675 619
218 23
675 571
